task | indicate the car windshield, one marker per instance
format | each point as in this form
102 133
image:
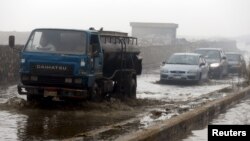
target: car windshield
233 57
209 54
183 59
57 41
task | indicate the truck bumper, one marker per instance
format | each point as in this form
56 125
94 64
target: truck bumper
52 91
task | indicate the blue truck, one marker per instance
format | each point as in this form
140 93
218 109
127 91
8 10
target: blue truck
63 64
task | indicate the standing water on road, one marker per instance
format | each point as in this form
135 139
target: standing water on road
20 122
36 123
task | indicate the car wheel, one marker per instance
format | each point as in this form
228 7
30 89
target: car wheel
220 75
162 81
199 79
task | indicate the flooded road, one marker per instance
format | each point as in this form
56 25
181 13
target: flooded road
28 122
237 115
45 123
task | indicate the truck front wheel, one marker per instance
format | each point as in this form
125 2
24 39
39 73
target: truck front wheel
33 98
96 93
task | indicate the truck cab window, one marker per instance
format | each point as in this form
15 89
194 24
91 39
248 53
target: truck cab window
94 45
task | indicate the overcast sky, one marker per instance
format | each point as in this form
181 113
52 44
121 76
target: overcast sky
226 18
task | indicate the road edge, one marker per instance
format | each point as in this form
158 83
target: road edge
176 127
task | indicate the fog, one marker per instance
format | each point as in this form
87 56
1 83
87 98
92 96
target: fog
220 18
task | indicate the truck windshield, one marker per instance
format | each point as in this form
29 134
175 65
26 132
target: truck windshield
57 41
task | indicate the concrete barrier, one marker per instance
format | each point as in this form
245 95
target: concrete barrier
177 127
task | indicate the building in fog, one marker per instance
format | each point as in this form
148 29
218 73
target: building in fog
154 33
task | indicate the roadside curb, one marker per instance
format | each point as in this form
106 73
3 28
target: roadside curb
176 127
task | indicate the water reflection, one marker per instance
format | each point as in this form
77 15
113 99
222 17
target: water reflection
11 125
30 124
45 124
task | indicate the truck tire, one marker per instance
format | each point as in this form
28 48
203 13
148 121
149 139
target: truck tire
96 93
33 98
131 89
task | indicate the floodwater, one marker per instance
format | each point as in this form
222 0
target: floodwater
19 122
237 115
45 123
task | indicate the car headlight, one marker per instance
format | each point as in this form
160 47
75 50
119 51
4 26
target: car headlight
164 71
214 65
192 71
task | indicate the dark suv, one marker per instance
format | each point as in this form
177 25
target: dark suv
236 63
217 61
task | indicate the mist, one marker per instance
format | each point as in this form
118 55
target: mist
196 18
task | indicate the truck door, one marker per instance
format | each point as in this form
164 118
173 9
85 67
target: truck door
96 54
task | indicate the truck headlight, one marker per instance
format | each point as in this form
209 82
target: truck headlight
68 80
22 60
33 78
214 65
25 78
82 64
78 80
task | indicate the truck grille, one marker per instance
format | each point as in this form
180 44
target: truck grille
51 69
51 80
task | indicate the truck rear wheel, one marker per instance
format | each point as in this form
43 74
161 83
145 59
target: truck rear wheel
131 89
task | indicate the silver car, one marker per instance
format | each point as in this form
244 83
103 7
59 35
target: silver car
184 67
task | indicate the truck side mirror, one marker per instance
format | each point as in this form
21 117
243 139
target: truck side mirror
12 41
224 57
